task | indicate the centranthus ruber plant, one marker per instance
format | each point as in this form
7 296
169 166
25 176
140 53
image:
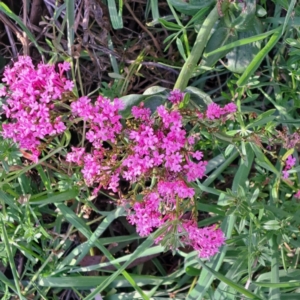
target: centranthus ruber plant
31 94
153 152
156 155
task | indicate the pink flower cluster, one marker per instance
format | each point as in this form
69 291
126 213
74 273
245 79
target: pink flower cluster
206 241
215 111
161 142
103 118
176 96
31 93
154 153
104 125
289 163
157 145
160 207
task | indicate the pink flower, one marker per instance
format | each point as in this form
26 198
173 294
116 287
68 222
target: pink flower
103 116
65 66
29 108
198 155
2 91
76 156
145 215
285 174
214 111
195 171
141 112
69 85
297 195
230 108
176 96
290 162
206 241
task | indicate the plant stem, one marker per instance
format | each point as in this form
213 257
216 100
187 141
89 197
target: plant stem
198 48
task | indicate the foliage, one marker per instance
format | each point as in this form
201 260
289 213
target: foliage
59 236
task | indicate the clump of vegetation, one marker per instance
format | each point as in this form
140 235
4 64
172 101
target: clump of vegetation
150 151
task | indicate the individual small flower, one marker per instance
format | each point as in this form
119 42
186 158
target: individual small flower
297 195
290 162
191 140
69 85
176 96
285 174
63 67
198 155
200 115
3 91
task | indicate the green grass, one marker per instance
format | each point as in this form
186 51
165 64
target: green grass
59 241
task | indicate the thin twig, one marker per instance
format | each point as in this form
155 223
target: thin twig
143 27
25 37
10 27
11 41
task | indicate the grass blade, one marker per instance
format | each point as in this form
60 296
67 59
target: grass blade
5 9
241 42
115 17
229 282
13 268
256 62
70 10
73 219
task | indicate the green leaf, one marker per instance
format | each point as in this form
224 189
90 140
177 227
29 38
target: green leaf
229 282
256 62
263 118
70 14
99 231
78 223
289 14
241 42
4 238
54 198
271 225
156 89
198 96
190 7
115 17
245 19
239 58
129 101
180 48
169 25
191 271
222 35
262 160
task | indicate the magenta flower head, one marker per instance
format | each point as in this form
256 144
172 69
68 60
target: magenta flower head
176 96
215 111
30 95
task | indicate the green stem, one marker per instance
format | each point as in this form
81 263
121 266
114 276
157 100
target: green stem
274 293
198 48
